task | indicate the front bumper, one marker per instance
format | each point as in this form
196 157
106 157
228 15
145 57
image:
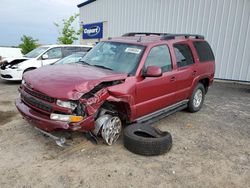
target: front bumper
11 74
43 121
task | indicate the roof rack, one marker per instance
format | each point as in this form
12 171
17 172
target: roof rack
164 36
172 36
142 33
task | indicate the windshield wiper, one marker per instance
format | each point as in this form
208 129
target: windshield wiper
83 62
101 66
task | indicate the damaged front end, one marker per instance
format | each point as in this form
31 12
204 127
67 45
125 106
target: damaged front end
12 64
10 69
84 115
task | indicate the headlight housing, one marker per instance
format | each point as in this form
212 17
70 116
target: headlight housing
14 67
66 104
17 66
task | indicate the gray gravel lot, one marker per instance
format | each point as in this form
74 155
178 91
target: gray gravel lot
211 148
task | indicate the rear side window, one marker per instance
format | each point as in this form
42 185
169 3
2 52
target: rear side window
84 49
184 56
71 50
204 51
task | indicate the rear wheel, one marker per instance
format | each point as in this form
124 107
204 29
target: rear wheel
196 100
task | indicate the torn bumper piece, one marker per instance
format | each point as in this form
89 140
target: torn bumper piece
60 141
44 122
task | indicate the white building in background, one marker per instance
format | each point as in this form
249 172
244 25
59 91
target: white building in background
224 23
10 52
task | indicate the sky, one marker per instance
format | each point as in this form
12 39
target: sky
34 18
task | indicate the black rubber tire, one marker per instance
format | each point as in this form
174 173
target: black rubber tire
146 140
191 107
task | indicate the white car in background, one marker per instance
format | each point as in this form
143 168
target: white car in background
13 69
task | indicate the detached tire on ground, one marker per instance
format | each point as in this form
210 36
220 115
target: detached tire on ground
146 140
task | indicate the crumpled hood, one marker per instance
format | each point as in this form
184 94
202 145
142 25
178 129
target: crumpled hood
10 59
7 62
69 81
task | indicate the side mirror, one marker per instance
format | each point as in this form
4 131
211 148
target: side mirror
152 71
45 56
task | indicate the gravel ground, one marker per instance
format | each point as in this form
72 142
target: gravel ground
211 148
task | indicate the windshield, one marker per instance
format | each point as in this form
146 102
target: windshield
119 57
36 52
74 58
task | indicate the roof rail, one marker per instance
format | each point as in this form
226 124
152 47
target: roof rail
172 36
164 36
143 33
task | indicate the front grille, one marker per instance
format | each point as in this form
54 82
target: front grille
36 102
39 95
6 76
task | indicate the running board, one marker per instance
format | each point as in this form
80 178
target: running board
160 114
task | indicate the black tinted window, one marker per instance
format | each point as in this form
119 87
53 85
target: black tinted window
183 55
159 56
204 51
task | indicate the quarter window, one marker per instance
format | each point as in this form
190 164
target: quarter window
183 55
204 51
159 56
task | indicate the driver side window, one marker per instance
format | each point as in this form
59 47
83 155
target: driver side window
159 56
54 53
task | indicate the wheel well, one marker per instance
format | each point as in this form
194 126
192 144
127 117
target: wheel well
121 108
205 82
29 69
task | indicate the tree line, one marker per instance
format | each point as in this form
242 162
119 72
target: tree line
67 35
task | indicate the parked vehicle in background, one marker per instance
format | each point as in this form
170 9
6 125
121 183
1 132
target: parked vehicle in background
10 52
73 58
13 69
133 78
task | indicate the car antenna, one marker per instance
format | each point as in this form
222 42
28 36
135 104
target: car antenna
139 40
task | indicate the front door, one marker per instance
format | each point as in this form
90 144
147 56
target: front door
154 93
53 55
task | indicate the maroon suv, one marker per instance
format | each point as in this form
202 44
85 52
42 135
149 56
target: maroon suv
131 78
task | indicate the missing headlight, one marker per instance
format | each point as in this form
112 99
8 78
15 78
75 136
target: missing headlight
80 110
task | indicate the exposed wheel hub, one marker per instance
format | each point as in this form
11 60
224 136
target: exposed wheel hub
111 130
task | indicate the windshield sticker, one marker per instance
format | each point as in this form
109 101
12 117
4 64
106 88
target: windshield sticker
133 50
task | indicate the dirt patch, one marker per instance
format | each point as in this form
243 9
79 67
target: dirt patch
6 102
6 117
211 148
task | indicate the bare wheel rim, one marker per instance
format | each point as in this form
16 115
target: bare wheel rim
111 130
197 98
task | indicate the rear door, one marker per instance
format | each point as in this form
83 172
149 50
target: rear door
186 69
154 93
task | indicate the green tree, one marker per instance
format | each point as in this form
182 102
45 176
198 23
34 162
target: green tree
67 33
28 44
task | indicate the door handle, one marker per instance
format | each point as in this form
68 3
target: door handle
172 79
194 73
